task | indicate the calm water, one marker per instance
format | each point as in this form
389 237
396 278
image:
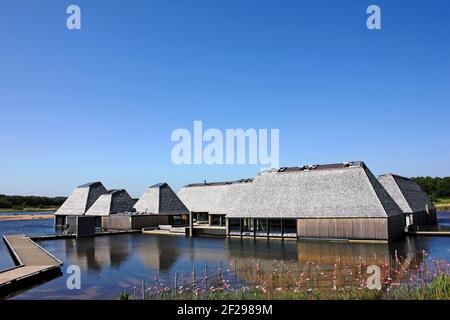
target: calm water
112 264
25 213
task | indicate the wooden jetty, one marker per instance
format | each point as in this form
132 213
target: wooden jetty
34 264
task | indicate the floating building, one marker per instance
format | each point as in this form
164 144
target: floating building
159 205
331 201
160 199
211 202
334 201
111 202
417 207
81 199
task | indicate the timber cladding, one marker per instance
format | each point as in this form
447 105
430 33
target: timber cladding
133 222
350 228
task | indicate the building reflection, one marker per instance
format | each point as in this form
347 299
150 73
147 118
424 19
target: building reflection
96 253
159 253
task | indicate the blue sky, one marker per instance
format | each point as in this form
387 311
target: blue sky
100 103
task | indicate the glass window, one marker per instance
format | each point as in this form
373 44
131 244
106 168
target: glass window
261 227
234 226
248 225
290 227
274 227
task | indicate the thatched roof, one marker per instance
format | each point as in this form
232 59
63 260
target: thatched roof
215 197
160 199
81 199
111 202
320 191
406 193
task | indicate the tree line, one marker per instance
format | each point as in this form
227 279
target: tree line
434 187
21 202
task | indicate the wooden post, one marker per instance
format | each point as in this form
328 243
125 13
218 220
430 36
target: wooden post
134 293
206 277
235 269
220 271
193 278
143 289
259 267
191 225
176 282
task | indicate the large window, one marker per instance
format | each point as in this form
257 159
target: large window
248 226
261 227
217 220
234 226
275 227
290 227
200 216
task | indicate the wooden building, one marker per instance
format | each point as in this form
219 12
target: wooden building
417 207
110 203
334 201
79 201
159 205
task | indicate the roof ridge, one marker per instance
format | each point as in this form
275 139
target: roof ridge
367 173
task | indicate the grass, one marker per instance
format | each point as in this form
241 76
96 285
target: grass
442 203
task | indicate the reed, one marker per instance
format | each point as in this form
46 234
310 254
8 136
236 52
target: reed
402 278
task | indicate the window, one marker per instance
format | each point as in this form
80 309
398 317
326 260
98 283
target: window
261 227
217 220
234 226
290 227
248 225
275 227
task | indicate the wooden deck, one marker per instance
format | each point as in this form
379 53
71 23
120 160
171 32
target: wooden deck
33 264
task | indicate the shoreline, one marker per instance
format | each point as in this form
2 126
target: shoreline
21 217
27 210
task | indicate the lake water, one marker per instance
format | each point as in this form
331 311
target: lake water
111 264
25 213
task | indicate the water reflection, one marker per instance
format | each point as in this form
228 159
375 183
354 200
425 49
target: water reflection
94 254
159 255
111 264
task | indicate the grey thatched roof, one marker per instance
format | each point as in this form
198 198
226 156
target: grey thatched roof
160 199
214 197
406 193
111 202
317 191
81 199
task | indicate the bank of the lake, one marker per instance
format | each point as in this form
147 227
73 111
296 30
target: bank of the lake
26 210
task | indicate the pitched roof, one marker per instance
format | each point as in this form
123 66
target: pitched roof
406 193
160 199
318 191
215 197
90 184
111 202
81 199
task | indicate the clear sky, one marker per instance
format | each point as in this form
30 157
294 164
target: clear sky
100 103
